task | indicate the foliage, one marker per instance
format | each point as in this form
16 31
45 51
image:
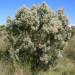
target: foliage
36 36
4 44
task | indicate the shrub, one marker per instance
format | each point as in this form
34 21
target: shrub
36 36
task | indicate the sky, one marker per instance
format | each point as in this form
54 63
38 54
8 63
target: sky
10 7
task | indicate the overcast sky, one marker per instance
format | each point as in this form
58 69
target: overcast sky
9 7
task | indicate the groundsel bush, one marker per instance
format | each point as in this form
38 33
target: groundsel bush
37 35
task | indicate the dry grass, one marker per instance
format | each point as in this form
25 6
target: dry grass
6 68
64 67
69 50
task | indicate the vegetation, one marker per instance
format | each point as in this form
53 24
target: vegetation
32 41
70 49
